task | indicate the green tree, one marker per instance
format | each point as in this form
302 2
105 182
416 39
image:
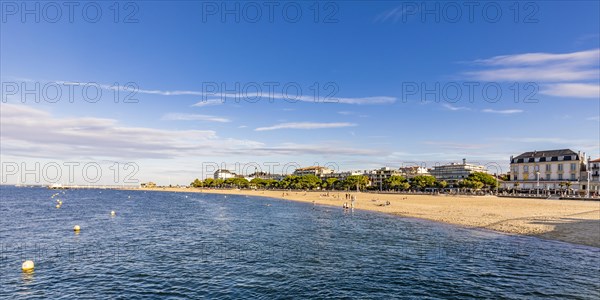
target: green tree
219 182
270 183
196 183
404 186
422 182
209 182
442 184
356 181
394 182
310 182
258 182
330 183
236 182
488 180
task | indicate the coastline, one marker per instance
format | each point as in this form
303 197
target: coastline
572 221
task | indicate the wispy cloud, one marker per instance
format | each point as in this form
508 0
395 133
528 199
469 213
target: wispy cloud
503 112
572 74
193 117
210 102
582 58
346 113
35 133
305 125
579 90
455 108
222 97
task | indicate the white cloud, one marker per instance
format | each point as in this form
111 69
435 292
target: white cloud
193 117
578 90
574 58
455 108
33 133
243 97
562 74
210 102
305 125
504 112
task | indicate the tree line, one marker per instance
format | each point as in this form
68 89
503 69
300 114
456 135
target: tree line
475 181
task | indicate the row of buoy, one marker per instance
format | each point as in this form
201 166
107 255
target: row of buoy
28 265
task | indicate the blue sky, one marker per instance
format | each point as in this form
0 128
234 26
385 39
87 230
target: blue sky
368 54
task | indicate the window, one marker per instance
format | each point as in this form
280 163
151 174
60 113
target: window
536 168
515 177
542 159
525 168
531 159
547 176
573 167
567 157
572 176
548 168
559 176
554 158
560 167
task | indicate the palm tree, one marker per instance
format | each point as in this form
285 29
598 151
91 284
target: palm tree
568 185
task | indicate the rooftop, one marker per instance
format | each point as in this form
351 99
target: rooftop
311 168
546 153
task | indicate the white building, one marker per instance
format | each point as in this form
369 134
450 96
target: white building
548 170
455 172
410 172
594 168
224 174
378 177
314 170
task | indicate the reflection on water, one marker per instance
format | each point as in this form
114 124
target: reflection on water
170 245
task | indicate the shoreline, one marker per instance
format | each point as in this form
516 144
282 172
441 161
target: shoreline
571 221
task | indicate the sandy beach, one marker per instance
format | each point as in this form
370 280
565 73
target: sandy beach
570 221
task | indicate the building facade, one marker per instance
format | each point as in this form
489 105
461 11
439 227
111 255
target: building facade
314 170
378 177
594 175
410 172
455 172
224 174
548 170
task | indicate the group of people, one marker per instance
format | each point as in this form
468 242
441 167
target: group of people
352 198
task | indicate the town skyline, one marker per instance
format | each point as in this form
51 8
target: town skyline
273 95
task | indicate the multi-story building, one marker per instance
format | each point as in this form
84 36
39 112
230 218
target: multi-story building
224 174
455 172
378 177
593 167
314 170
410 172
549 170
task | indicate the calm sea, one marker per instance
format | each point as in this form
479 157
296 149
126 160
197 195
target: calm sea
192 246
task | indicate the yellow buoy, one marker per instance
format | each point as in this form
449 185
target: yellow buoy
76 228
113 213
27 266
57 205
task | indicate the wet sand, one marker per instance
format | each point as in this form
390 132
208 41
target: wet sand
570 221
